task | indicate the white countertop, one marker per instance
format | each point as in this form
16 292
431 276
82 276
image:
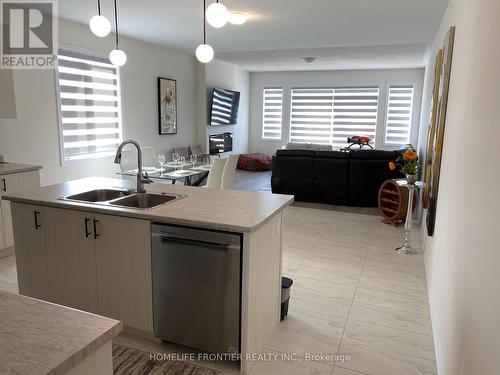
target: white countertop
9 168
38 337
230 210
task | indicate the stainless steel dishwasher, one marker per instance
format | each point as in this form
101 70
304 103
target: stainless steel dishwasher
197 287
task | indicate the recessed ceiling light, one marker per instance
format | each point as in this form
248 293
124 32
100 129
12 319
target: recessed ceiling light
238 18
310 59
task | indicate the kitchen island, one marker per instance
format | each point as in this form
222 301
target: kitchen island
47 339
97 257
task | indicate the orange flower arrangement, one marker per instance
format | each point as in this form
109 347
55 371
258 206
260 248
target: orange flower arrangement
407 162
410 154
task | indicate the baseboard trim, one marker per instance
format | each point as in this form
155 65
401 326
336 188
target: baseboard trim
140 333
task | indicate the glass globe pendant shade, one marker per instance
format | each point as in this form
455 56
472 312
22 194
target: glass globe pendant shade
100 26
117 57
217 15
204 53
237 18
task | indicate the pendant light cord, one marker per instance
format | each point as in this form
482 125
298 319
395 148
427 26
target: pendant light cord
116 25
99 7
204 21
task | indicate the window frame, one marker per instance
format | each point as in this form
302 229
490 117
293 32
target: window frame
89 53
413 123
343 85
283 112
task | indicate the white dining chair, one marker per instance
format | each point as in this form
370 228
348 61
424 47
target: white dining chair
214 179
229 172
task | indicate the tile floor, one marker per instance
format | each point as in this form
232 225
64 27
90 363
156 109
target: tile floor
352 295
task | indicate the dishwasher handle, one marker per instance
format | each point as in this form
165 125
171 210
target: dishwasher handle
213 245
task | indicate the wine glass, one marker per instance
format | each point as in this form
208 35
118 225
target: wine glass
161 161
182 161
193 159
175 159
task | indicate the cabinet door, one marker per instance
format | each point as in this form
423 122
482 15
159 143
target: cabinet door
31 257
71 258
2 240
123 251
9 183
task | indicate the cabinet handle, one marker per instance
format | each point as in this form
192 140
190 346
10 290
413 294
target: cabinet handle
87 232
95 229
4 185
37 224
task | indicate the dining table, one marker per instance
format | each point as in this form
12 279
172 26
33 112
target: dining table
175 171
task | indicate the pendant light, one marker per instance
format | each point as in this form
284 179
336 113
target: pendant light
237 18
204 52
100 25
117 56
217 15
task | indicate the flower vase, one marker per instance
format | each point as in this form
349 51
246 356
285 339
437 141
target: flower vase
411 179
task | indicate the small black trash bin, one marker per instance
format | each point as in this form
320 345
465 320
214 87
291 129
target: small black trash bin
286 283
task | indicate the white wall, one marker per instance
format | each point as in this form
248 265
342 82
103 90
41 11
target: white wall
219 74
463 258
289 80
33 136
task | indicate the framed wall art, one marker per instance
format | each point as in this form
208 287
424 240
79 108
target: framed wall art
167 105
436 132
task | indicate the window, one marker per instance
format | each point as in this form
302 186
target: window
272 117
331 115
89 104
399 114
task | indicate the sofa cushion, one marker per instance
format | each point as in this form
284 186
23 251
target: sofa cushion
331 179
332 155
320 147
297 146
293 175
307 146
296 153
365 178
372 155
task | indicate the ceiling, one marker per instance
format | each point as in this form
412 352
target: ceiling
343 34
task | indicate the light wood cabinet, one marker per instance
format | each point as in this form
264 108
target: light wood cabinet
31 255
71 259
8 184
123 251
11 183
2 240
95 263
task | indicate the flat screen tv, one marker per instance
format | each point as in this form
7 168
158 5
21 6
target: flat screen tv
224 107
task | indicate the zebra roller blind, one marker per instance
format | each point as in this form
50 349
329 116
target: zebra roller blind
331 115
89 106
399 114
272 118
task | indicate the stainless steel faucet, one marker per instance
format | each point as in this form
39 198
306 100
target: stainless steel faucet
141 179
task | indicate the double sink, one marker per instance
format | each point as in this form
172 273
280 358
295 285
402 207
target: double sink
123 198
